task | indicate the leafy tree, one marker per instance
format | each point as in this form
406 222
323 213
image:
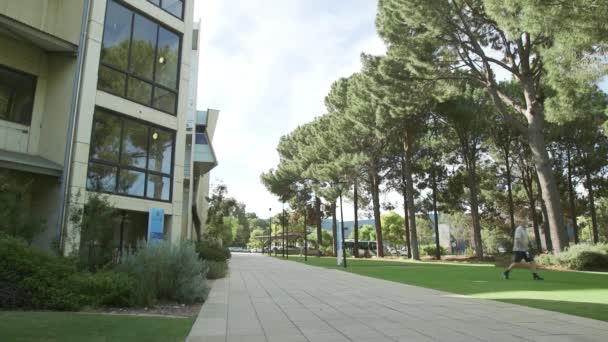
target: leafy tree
220 207
392 228
536 43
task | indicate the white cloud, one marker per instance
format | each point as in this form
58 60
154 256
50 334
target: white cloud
267 66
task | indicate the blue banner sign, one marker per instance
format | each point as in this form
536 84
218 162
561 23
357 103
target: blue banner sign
156 222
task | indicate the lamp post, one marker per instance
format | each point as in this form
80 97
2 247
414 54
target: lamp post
342 228
269 233
305 235
283 224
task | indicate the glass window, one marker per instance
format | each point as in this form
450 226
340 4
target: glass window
174 7
201 139
134 144
167 58
138 56
111 80
16 96
116 35
105 137
143 47
165 100
131 182
161 151
159 187
128 156
139 91
101 177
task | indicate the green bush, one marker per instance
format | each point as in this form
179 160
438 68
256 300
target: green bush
579 257
33 278
212 251
163 271
431 250
216 269
104 288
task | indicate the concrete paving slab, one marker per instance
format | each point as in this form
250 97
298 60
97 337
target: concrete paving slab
268 299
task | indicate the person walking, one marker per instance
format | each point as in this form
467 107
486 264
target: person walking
521 253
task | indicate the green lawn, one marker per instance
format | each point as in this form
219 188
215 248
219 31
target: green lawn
575 293
70 326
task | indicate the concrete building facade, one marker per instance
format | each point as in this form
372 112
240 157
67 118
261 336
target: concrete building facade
94 98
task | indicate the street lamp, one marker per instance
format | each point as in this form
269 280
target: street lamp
269 233
342 226
305 234
283 224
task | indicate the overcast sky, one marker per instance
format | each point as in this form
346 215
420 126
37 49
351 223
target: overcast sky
267 66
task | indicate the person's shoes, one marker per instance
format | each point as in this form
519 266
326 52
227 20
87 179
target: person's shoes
505 275
535 276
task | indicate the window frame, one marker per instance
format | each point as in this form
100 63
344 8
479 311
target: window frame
118 165
160 5
34 86
129 74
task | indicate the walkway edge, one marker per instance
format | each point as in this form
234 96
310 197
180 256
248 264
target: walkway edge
212 321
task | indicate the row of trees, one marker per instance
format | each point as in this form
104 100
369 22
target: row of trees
432 120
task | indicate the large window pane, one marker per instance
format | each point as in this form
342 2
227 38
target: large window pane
105 138
143 47
134 144
16 96
139 91
164 100
111 80
101 178
131 182
159 187
161 150
174 7
116 35
167 58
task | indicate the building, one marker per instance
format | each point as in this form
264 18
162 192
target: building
94 99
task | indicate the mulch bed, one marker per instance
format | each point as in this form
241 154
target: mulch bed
166 309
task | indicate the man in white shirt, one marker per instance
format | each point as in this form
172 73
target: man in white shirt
521 253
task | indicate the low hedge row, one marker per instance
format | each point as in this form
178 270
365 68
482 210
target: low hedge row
579 257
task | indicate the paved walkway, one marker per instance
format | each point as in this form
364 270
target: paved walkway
267 299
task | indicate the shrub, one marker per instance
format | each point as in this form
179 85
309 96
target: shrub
104 288
212 251
166 272
431 250
579 257
32 278
216 269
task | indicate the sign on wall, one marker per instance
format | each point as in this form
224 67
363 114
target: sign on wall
156 222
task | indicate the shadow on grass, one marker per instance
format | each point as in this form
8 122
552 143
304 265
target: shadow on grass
590 310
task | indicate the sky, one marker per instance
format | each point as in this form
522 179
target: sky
267 66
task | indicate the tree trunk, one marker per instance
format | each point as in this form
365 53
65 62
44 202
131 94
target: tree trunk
409 186
509 190
571 196
334 228
475 209
550 193
319 225
405 210
546 229
356 228
375 187
438 252
528 182
592 206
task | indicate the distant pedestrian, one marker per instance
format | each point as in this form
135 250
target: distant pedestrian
521 253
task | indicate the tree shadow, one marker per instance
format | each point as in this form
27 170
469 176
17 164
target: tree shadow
596 311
